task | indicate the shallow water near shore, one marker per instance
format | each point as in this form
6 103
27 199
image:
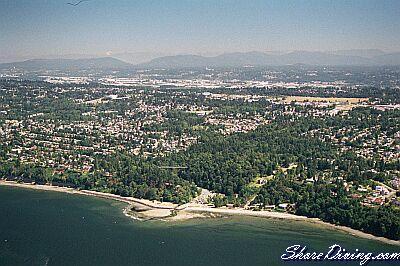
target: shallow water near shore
50 228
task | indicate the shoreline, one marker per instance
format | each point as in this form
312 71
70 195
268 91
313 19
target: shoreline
157 210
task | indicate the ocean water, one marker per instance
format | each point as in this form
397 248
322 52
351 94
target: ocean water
50 228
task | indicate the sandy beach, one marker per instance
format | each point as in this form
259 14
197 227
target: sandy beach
147 210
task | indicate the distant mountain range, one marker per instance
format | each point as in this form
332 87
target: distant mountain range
341 58
368 53
137 58
369 57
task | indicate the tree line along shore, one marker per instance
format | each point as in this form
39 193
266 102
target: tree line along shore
150 210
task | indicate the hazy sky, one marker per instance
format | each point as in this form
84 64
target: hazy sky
45 27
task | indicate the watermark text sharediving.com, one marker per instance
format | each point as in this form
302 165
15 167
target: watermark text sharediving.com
336 253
